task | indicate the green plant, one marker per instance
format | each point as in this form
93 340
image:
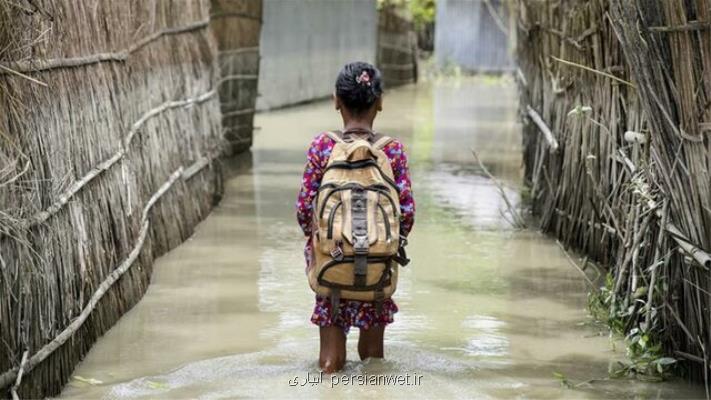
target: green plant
600 304
525 194
564 382
645 357
422 11
646 360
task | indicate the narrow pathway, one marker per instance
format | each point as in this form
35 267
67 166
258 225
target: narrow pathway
486 312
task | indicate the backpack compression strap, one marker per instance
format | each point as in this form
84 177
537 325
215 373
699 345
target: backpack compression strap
359 232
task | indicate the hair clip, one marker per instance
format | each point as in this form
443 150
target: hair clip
363 78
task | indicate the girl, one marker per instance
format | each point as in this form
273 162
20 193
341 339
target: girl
358 98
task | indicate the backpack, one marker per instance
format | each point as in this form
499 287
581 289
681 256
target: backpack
356 240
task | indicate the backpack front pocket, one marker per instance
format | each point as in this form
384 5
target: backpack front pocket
341 205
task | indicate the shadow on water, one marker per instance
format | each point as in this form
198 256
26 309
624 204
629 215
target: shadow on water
485 311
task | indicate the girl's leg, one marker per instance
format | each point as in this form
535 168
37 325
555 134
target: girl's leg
370 343
333 349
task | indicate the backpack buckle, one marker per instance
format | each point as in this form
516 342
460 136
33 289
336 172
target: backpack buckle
401 256
360 244
337 251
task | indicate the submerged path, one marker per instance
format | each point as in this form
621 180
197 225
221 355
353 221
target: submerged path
486 312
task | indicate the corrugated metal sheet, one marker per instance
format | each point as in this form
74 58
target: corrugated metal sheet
305 43
467 35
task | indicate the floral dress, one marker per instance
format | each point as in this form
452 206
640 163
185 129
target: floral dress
361 314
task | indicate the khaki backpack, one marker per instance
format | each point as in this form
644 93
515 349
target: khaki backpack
356 240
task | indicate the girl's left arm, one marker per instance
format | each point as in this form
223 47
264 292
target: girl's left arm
398 161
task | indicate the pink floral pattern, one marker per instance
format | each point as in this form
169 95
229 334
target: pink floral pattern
361 314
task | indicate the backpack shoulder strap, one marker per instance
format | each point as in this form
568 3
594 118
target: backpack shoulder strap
377 140
336 136
380 141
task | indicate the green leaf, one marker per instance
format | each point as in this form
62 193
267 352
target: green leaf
665 360
643 340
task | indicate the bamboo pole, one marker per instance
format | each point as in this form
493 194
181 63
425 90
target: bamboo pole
694 251
18 67
18 380
601 73
5 69
689 26
575 265
543 128
655 267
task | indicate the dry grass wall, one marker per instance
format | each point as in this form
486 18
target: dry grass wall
617 99
109 126
397 47
237 26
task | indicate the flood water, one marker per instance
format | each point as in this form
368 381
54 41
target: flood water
485 311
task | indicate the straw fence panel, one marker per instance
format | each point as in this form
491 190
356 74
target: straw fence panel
237 25
110 127
397 48
615 95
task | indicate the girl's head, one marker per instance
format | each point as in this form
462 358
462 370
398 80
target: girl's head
359 89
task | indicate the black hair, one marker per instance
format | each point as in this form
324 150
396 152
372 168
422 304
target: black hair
359 85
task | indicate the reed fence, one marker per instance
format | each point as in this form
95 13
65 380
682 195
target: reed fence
110 129
617 99
397 47
237 26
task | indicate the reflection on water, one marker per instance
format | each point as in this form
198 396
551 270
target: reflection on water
486 312
473 198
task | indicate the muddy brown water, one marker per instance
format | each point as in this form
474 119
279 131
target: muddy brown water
486 311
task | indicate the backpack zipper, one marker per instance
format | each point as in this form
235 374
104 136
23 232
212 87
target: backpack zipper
363 164
331 218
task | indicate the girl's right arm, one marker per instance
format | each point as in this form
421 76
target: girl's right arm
318 152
